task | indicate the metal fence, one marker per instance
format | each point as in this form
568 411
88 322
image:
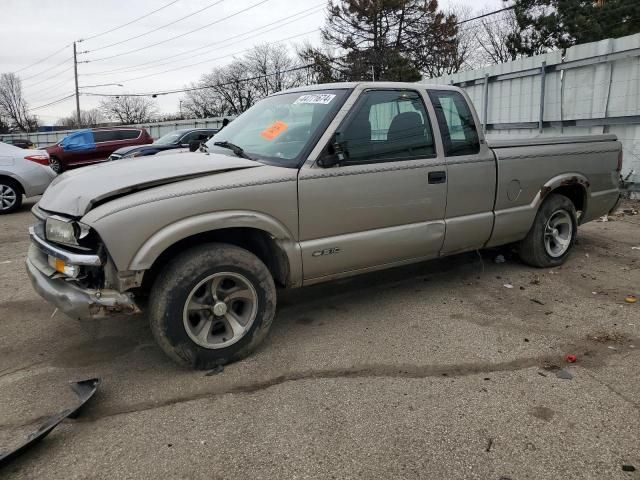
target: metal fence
592 88
155 129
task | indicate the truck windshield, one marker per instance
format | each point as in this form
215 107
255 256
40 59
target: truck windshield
279 129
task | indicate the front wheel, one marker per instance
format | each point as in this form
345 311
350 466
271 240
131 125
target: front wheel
552 235
212 305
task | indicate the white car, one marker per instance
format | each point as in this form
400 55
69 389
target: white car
22 172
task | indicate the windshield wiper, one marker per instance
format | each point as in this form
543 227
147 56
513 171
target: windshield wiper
234 148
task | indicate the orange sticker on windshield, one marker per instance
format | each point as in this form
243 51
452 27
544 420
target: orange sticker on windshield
273 130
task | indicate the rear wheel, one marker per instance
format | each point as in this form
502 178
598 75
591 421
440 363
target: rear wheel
212 305
552 235
55 165
10 196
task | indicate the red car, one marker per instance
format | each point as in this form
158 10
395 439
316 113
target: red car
88 146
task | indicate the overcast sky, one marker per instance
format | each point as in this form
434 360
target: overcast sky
34 29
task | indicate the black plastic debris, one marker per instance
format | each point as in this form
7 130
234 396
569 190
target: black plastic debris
628 468
216 370
84 390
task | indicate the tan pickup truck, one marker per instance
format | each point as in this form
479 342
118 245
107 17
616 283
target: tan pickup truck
308 185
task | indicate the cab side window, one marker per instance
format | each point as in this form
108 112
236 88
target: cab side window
457 127
387 125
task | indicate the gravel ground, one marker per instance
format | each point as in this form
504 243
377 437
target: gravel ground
431 371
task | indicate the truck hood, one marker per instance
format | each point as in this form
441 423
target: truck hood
76 192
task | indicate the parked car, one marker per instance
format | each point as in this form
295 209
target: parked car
190 138
22 172
308 185
19 142
89 146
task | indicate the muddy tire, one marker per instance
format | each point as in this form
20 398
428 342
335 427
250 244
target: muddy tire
212 305
553 234
10 195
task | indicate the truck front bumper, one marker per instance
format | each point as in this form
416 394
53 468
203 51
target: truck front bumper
65 293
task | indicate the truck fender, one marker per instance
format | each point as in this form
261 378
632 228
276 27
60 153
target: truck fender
173 233
564 180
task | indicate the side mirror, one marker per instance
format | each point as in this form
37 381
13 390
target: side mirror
334 154
193 145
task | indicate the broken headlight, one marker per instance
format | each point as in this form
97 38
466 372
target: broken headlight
65 231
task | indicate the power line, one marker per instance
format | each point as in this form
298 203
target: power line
210 59
26 79
140 66
177 36
53 103
192 89
51 77
155 29
126 24
486 15
43 59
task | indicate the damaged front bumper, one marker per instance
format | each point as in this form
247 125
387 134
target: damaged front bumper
64 292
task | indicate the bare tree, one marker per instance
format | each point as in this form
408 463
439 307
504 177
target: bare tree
128 109
464 53
271 63
88 118
492 34
13 106
203 103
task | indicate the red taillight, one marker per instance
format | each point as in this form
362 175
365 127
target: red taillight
41 159
619 169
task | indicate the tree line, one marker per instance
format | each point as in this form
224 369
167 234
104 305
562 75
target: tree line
393 40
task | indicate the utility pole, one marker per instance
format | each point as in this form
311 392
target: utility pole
75 75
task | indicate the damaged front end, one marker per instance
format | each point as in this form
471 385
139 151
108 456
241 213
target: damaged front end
77 277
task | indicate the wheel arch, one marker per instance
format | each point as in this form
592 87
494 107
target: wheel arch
574 186
260 234
4 176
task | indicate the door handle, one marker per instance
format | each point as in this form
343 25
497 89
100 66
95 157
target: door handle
437 177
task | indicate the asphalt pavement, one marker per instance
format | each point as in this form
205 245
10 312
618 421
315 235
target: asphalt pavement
451 369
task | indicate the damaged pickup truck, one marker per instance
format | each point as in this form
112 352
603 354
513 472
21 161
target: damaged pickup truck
308 185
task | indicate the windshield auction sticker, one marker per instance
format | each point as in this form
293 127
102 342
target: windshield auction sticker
322 98
274 130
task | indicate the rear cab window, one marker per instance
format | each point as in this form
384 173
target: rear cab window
455 119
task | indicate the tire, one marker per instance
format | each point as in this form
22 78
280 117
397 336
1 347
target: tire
10 196
55 165
553 234
181 304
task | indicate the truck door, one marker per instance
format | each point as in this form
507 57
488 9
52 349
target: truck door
471 171
384 203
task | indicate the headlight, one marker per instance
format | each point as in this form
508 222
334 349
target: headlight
64 230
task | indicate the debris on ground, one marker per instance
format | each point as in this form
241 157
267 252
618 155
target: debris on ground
84 390
507 285
631 299
535 300
499 259
628 468
606 337
570 358
5 262
217 369
535 281
489 445
564 374
635 248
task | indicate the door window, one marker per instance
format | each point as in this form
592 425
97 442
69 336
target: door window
387 125
104 135
458 129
